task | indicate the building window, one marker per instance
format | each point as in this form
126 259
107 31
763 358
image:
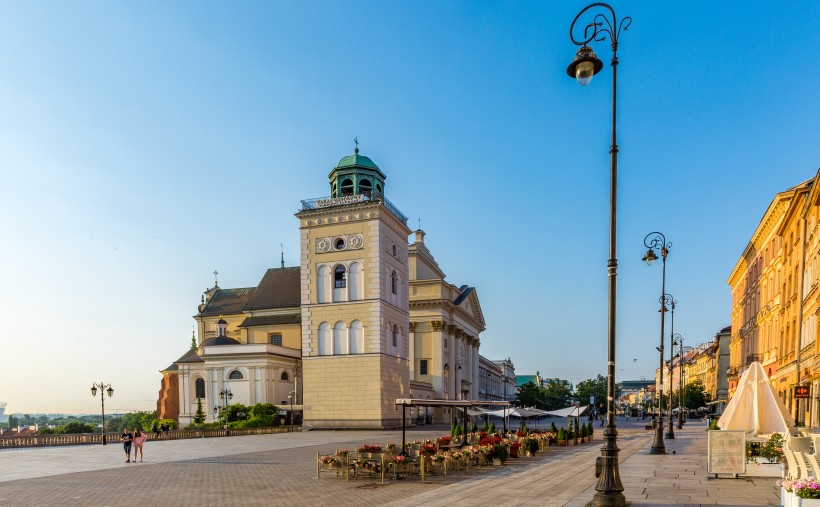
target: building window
365 187
393 282
394 250
284 376
199 388
395 336
347 187
276 339
339 244
235 375
423 367
340 277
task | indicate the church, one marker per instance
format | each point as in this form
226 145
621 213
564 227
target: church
366 318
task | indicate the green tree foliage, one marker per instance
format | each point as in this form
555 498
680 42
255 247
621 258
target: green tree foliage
76 427
264 410
694 395
141 419
595 387
556 395
529 395
237 412
199 416
13 421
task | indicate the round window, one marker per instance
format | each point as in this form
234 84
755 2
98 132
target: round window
339 243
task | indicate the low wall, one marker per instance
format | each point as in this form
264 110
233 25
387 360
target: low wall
114 438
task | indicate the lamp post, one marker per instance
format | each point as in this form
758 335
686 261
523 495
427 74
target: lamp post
677 339
225 395
651 241
104 388
290 398
670 432
608 490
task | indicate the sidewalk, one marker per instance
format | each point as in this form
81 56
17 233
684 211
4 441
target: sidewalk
280 470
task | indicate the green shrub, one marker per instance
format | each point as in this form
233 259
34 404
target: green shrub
553 429
474 427
562 433
492 427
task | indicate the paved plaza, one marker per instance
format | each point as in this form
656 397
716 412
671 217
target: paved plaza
280 469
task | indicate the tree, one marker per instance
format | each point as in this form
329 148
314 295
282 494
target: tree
530 395
75 427
236 412
594 387
556 395
199 416
694 395
13 421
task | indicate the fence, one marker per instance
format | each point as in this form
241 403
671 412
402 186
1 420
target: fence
114 438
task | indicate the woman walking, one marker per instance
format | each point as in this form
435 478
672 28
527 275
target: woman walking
139 439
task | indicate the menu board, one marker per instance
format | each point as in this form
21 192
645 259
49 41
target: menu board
726 452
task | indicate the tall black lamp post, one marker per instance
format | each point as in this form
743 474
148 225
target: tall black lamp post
291 395
104 388
609 490
226 396
670 431
652 241
677 339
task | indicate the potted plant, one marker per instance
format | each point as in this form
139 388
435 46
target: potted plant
492 428
514 446
553 429
499 454
562 437
590 431
530 446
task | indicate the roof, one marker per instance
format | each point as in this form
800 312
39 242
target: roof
357 160
227 301
272 320
189 357
465 293
218 340
279 288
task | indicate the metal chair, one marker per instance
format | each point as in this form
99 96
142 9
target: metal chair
814 465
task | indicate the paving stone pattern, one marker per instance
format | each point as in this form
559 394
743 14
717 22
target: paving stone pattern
280 470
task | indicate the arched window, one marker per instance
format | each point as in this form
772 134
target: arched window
284 376
339 277
338 338
393 283
354 288
199 388
394 250
325 346
379 189
347 187
356 338
395 335
365 186
235 375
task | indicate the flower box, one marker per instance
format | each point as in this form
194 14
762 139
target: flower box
805 502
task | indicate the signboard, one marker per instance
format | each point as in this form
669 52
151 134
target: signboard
338 201
801 392
725 451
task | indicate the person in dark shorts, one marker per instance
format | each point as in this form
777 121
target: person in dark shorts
155 429
126 438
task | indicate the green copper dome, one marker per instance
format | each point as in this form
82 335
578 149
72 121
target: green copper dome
356 174
357 160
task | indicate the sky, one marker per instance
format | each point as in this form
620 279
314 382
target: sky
144 145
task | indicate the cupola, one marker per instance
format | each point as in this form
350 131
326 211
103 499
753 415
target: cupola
356 174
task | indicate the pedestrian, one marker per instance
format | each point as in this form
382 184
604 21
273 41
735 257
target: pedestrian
603 418
126 438
165 428
139 439
155 429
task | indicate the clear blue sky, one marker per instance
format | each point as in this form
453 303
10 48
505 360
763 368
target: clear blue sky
145 144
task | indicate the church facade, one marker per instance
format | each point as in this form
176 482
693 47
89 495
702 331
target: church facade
366 318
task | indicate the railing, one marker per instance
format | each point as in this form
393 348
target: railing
114 438
330 202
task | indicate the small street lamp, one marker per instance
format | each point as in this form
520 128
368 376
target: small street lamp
226 396
609 489
652 241
291 395
104 388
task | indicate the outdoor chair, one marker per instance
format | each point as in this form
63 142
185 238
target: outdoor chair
801 462
792 470
814 465
799 444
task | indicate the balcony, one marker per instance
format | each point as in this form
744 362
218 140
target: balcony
332 202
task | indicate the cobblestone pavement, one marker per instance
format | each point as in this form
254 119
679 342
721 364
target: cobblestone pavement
280 470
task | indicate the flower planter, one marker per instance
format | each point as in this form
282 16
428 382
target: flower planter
787 498
804 502
497 462
562 443
513 451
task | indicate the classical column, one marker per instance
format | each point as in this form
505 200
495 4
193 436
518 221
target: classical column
451 361
436 366
476 370
411 353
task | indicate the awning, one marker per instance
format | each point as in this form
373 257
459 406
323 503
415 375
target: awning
411 402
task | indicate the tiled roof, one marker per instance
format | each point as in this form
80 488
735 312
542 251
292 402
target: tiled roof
227 301
218 340
189 357
279 288
272 320
465 293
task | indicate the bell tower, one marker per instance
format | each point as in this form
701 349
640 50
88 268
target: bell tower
354 301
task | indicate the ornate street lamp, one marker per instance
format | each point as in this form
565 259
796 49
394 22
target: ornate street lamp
677 339
670 432
105 388
652 241
226 396
291 395
609 490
